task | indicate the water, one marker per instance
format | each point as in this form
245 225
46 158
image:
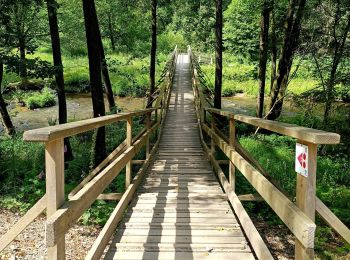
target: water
241 104
79 106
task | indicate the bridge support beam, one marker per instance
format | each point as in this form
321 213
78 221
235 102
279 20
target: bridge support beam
128 144
54 162
306 197
232 175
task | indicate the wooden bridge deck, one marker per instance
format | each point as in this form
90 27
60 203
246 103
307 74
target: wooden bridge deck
180 210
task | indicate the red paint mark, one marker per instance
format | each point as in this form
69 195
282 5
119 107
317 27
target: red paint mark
302 159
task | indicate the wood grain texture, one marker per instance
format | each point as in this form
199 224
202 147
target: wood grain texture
180 209
296 220
302 133
50 133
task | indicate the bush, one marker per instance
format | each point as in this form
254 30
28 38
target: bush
38 100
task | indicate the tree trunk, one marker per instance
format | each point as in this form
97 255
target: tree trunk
6 119
273 46
104 68
218 55
290 43
338 53
91 27
111 32
23 64
57 61
264 35
152 71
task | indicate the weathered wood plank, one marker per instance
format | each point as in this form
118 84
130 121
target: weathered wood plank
65 130
299 224
302 133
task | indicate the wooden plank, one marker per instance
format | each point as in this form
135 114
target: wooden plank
296 220
178 255
180 239
251 232
232 138
233 232
207 220
22 223
155 247
50 133
54 168
302 133
128 144
332 220
103 238
59 223
250 197
110 196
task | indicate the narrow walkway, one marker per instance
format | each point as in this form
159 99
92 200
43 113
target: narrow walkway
180 211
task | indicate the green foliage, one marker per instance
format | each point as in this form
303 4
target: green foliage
38 100
241 29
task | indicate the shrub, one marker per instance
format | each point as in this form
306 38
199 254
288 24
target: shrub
43 99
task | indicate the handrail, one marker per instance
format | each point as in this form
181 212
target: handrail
302 133
61 214
50 133
300 217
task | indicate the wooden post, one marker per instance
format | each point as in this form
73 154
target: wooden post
232 176
306 197
148 126
128 144
54 162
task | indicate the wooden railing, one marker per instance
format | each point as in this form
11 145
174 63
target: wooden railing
299 217
61 214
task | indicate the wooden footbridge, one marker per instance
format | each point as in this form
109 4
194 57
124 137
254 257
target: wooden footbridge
179 204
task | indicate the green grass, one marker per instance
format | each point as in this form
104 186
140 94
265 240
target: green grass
21 163
241 77
45 98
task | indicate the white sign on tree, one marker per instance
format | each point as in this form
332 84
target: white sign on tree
301 159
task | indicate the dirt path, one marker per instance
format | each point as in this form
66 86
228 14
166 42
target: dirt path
30 244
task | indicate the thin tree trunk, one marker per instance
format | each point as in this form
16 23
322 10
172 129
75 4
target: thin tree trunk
152 71
338 53
104 68
290 43
6 119
57 61
111 32
218 55
264 35
23 64
273 46
91 27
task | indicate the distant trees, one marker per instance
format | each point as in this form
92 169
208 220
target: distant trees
21 30
329 27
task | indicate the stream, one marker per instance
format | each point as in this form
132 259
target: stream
79 107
